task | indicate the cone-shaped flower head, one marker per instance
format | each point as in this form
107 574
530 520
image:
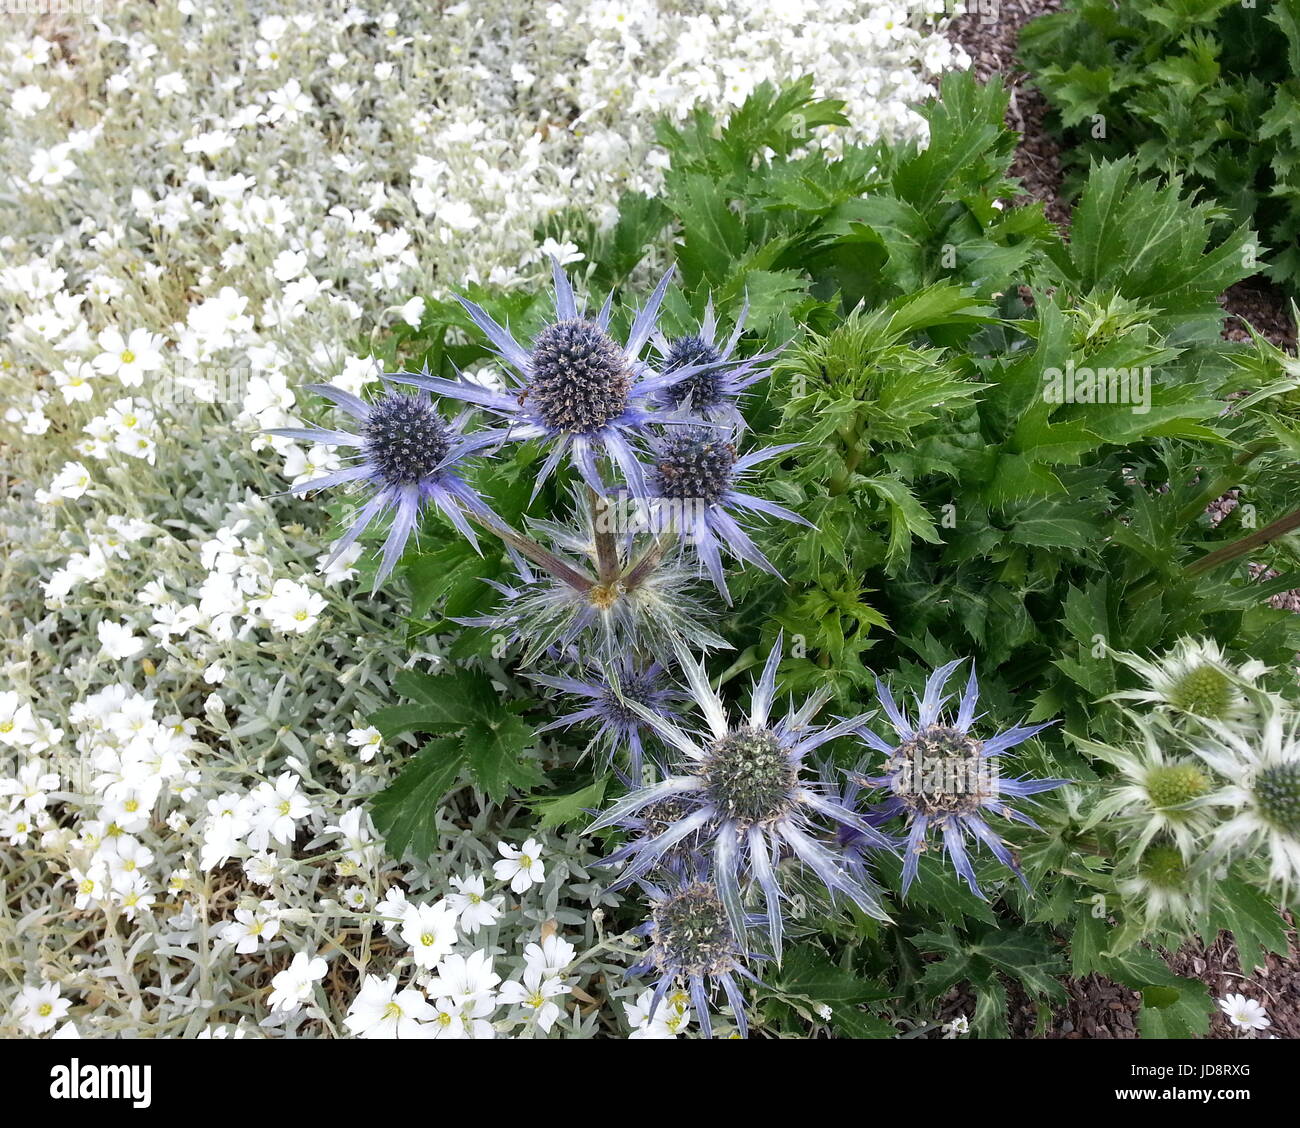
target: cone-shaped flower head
406 457
941 776
576 387
748 800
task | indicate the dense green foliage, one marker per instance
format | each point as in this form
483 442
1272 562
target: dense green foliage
1204 89
959 511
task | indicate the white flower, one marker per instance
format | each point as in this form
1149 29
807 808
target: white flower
224 831
464 978
288 265
446 1022
551 956
73 381
430 930
251 927
392 909
17 725
366 741
133 895
671 1017
39 1009
117 640
380 1010
957 1027
51 167
16 827
278 807
128 358
71 482
412 312
293 986
27 100
470 904
89 885
535 993
293 608
522 867
1245 1013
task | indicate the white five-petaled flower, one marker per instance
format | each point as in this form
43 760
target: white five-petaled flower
252 926
671 1017
38 1009
117 641
430 930
471 906
293 986
366 741
279 807
128 358
521 866
551 956
1245 1013
464 978
536 992
292 608
380 1010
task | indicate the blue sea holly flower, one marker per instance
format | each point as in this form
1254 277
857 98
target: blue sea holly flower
407 456
748 798
692 943
693 480
605 693
576 387
941 776
709 381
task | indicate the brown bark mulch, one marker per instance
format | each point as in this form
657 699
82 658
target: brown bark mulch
1096 1007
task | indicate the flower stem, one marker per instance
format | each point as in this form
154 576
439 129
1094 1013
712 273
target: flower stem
606 542
542 557
1235 549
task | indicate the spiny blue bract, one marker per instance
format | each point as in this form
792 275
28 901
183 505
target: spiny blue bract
692 942
746 800
575 388
941 776
694 481
408 456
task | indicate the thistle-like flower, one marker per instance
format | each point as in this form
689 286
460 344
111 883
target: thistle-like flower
709 381
1262 767
692 942
408 456
617 593
606 692
941 776
1195 679
744 795
693 478
1164 884
576 387
1156 793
